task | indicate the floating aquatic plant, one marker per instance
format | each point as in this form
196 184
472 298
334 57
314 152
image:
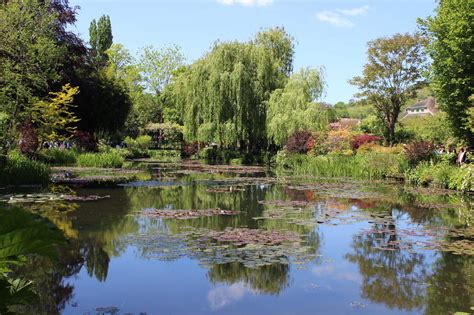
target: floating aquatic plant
251 247
47 197
245 236
186 214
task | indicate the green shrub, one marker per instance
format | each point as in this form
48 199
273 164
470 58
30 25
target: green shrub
112 159
462 179
164 153
139 146
442 175
55 156
19 170
236 161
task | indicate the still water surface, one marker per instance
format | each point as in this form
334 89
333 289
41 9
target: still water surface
362 249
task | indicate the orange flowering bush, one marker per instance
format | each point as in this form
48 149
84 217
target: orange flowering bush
339 141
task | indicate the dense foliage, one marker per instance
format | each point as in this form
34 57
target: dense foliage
31 57
293 107
103 103
39 55
451 35
223 95
53 117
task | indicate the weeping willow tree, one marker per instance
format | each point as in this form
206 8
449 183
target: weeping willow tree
293 107
223 96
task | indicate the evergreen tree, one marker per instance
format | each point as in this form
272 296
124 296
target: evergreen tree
101 38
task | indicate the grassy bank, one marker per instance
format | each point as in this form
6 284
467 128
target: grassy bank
375 165
369 165
19 170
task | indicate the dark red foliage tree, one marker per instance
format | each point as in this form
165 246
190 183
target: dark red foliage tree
28 139
299 142
418 151
85 141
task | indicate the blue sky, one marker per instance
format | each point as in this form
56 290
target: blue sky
329 33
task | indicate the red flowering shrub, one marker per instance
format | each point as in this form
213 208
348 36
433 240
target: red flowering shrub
189 149
359 140
299 142
28 139
310 144
419 151
85 141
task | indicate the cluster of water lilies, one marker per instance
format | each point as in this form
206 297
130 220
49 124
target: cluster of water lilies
186 214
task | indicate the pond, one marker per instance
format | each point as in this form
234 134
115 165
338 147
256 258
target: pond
232 240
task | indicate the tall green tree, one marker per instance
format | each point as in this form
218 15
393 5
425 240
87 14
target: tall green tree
451 43
392 74
101 38
280 44
31 57
293 108
223 95
158 65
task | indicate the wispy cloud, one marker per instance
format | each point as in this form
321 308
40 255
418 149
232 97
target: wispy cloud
225 295
355 11
334 18
246 3
340 17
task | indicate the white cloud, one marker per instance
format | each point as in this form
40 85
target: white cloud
223 296
355 11
334 18
247 3
339 17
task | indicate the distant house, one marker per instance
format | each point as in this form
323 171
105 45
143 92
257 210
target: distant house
422 108
345 123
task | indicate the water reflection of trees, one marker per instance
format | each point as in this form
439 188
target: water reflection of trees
196 196
393 277
442 283
93 230
451 288
270 279
50 277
